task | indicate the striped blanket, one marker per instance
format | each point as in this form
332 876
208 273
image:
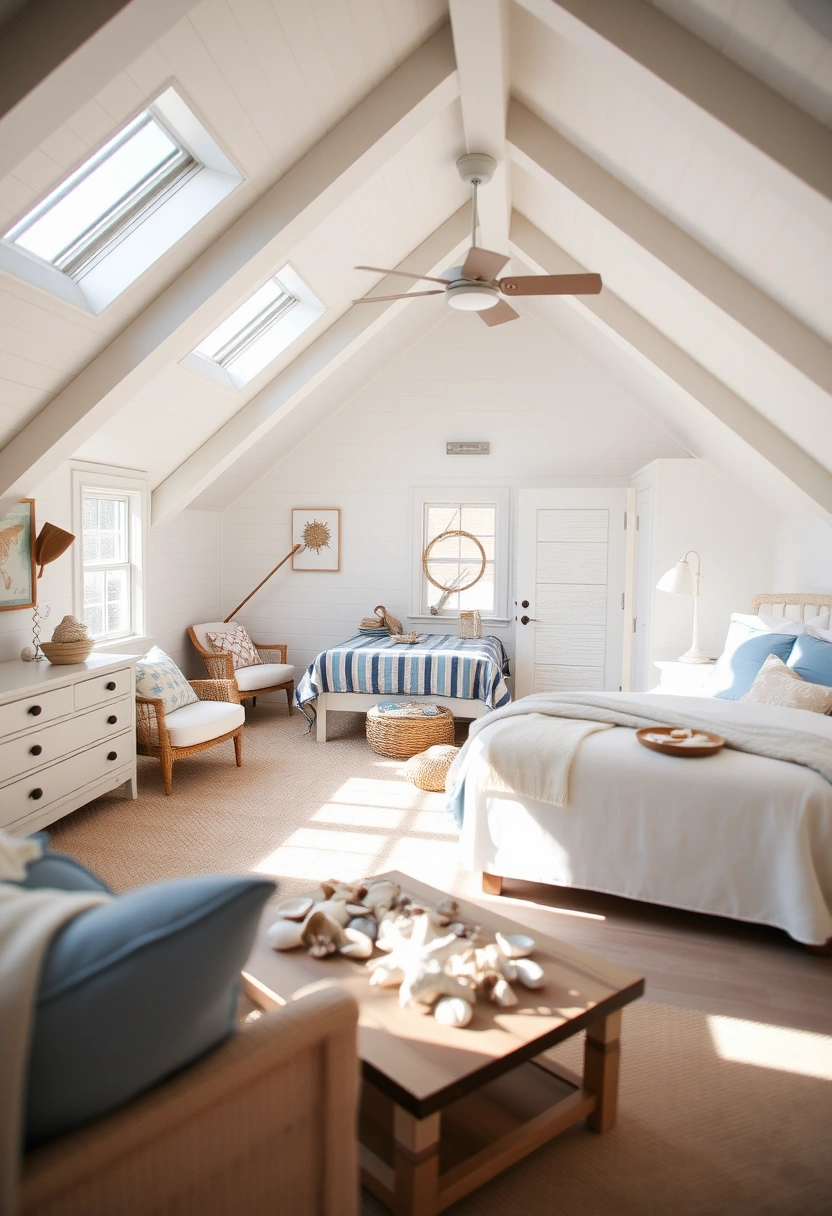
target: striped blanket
442 665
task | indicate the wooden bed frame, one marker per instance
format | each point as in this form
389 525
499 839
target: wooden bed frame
360 702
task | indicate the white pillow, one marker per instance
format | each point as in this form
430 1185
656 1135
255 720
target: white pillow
767 622
777 684
158 676
236 642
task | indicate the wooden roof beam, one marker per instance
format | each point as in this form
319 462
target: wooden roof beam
671 363
254 247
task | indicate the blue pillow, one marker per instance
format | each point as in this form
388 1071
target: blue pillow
811 658
746 649
59 872
133 990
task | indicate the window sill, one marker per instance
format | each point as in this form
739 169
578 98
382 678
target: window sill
497 621
136 642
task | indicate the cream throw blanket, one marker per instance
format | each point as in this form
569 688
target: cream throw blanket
554 750
28 922
532 756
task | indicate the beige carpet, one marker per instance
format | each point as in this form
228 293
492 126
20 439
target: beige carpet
716 1116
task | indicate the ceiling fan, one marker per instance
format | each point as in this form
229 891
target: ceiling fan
473 286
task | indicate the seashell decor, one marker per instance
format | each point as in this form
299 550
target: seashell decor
70 630
437 962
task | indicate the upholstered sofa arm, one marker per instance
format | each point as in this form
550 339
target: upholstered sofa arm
271 652
266 1123
150 721
216 690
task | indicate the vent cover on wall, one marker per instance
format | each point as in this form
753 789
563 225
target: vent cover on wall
469 448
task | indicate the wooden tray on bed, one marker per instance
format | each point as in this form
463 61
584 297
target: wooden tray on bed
658 739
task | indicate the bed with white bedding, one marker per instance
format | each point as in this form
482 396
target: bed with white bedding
741 834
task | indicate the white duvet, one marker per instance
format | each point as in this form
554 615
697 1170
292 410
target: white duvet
732 834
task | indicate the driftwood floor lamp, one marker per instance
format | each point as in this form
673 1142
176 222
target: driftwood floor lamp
262 582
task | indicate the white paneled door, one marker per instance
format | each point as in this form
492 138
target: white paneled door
570 594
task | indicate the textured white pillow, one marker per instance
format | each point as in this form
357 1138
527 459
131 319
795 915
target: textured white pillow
236 642
768 623
777 684
158 676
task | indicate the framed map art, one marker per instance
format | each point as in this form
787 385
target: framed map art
318 530
18 585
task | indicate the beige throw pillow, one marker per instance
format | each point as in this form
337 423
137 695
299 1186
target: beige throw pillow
777 684
238 644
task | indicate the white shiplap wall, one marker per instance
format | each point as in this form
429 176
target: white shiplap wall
185 578
552 419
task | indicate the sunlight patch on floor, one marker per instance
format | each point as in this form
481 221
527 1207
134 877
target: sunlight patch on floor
357 816
373 791
777 1047
433 861
319 854
436 823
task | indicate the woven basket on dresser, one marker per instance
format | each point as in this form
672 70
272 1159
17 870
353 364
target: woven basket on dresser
402 737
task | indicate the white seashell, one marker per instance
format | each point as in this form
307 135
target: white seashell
386 977
503 995
515 945
356 909
27 654
365 924
381 896
322 935
359 945
294 909
335 909
529 973
428 982
453 1011
285 935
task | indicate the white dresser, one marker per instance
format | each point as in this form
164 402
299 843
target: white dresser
67 734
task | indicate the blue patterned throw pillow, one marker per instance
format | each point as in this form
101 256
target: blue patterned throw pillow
158 676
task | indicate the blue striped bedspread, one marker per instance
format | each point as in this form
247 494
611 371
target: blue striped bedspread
442 665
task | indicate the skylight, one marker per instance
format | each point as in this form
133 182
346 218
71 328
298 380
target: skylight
247 324
105 197
257 331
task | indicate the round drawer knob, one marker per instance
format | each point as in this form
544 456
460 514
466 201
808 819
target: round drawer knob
110 686
35 750
112 719
34 710
38 793
112 755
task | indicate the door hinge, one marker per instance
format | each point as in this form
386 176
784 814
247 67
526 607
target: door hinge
625 521
638 522
622 601
634 623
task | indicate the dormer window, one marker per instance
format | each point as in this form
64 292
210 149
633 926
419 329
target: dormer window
107 196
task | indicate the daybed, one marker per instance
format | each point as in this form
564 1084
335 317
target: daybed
466 675
735 834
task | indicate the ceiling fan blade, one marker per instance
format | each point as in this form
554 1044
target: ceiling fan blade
499 314
405 274
483 264
552 285
408 295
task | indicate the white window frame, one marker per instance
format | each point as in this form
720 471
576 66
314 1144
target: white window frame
128 255
500 497
134 487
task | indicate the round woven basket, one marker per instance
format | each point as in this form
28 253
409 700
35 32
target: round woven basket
429 769
67 652
401 736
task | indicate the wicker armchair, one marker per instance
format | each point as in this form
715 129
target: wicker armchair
182 732
274 675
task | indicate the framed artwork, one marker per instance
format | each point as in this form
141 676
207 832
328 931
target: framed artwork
318 529
18 584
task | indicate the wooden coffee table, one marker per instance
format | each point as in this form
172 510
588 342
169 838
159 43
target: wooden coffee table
444 1110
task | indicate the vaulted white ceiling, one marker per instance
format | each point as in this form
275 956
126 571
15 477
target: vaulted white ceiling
679 147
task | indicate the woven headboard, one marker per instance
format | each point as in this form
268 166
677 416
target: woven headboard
797 600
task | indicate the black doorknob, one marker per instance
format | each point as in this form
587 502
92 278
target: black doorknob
35 750
110 686
112 755
524 604
36 794
524 620
112 719
34 710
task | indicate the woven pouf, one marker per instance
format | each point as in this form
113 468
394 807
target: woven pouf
402 730
429 769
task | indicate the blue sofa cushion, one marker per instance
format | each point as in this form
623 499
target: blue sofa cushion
59 872
811 658
133 990
746 649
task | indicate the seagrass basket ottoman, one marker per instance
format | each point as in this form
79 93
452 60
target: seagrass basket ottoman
403 729
428 770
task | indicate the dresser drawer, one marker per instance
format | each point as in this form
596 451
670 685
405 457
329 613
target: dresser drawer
35 709
103 688
48 785
40 747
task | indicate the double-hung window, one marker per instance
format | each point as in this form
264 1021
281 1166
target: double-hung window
110 561
460 541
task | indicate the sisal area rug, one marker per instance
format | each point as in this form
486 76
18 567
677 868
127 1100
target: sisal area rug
717 1116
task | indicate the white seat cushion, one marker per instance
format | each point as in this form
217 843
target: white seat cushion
203 721
264 675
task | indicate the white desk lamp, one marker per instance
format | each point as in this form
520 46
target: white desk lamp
681 580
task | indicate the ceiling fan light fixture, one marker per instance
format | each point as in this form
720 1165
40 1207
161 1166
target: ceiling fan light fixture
472 297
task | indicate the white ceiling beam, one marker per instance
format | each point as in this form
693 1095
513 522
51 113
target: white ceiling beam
55 56
481 42
310 369
669 362
785 146
253 248
548 156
